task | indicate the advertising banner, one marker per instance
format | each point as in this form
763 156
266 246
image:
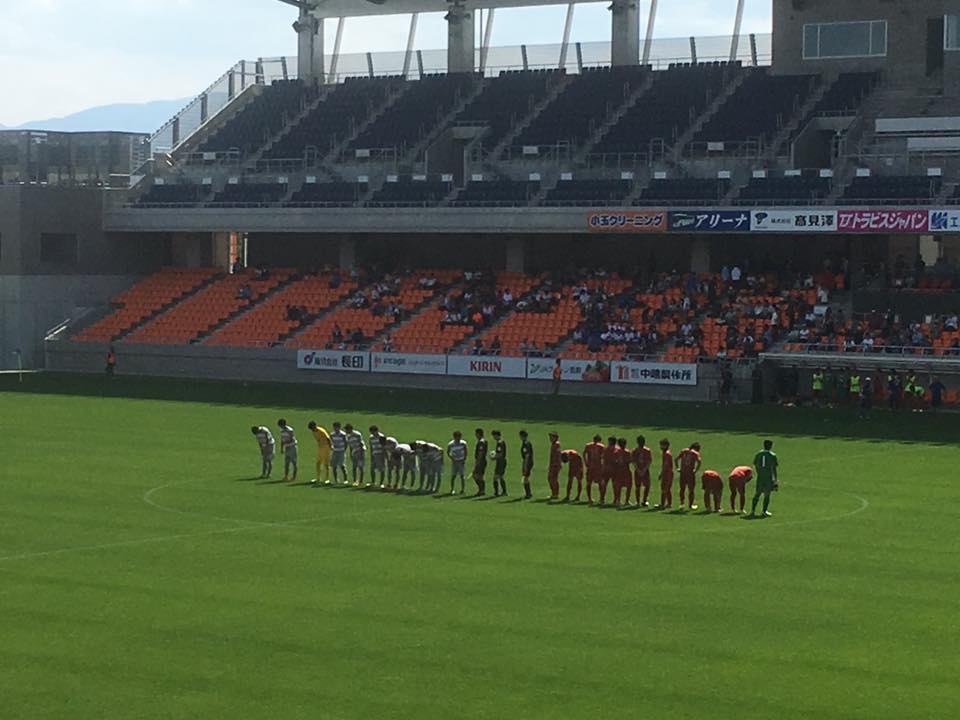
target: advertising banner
408 363
333 360
945 221
640 373
718 221
879 221
810 220
639 221
570 370
496 367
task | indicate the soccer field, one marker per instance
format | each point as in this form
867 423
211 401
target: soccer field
147 574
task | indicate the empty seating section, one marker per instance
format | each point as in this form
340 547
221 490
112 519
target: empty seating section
505 101
181 194
846 94
589 193
241 194
522 332
573 116
424 104
253 126
497 193
147 297
334 118
332 194
676 98
425 191
758 109
380 311
267 323
200 312
426 333
892 190
683 191
804 189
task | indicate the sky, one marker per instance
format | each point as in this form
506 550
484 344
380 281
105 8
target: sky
63 56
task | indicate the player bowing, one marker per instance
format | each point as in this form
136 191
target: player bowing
267 445
688 462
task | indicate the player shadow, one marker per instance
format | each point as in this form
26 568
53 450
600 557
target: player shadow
273 482
626 508
748 516
305 483
250 479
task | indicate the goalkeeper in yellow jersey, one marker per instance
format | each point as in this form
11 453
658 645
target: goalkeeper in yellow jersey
324 449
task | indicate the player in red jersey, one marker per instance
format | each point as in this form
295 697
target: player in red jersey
739 477
593 457
609 468
622 480
553 469
712 490
666 475
572 459
642 459
688 462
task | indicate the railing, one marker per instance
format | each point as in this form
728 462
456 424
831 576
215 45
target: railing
860 349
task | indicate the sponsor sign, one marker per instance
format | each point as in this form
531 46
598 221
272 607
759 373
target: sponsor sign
333 360
642 221
945 221
639 373
570 370
408 363
878 221
814 220
693 221
479 366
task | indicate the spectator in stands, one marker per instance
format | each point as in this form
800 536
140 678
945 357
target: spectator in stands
477 348
387 345
337 333
937 389
261 272
357 338
427 282
335 280
495 346
244 292
506 298
237 266
952 323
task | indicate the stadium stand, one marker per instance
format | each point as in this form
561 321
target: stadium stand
201 312
144 300
497 193
327 194
244 194
582 106
678 95
409 190
338 113
421 107
892 190
253 126
589 193
684 191
181 194
805 189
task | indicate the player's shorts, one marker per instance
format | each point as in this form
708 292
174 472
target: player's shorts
290 453
459 468
409 463
594 474
336 459
323 456
688 480
377 462
642 479
526 469
480 469
764 486
500 468
359 459
737 486
267 452
711 483
666 481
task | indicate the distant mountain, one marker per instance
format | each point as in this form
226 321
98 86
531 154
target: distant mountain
122 117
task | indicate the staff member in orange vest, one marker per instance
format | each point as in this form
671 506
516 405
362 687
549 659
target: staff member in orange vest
557 377
111 361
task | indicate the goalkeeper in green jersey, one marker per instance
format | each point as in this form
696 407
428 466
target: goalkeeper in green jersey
766 466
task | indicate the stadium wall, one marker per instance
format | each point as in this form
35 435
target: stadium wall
280 365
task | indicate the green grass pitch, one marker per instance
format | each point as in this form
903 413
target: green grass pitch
144 574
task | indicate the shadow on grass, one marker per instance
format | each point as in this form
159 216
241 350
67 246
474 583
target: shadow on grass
819 423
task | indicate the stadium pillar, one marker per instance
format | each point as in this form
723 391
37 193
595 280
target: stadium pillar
516 254
220 250
348 253
309 31
625 18
461 43
700 256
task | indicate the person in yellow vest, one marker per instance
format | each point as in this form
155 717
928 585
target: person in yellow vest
111 361
817 386
324 450
855 385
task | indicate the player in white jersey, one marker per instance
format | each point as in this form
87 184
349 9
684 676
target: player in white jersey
394 462
338 445
408 460
267 445
431 465
378 458
358 454
288 446
457 451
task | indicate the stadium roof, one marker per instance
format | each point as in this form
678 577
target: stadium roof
357 8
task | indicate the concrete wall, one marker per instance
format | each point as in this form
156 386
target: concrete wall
280 365
32 304
906 35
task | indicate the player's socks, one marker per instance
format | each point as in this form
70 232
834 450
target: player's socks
526 490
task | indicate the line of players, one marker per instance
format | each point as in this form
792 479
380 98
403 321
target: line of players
616 467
